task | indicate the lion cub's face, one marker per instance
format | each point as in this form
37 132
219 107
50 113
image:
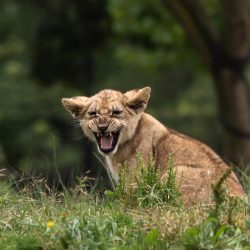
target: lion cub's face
110 117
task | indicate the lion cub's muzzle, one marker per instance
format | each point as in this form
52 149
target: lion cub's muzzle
106 139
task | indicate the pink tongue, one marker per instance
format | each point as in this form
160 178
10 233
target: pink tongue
106 142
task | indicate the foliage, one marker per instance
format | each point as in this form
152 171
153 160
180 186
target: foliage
35 217
211 235
219 230
147 188
69 220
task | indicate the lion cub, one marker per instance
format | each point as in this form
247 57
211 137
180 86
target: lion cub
116 122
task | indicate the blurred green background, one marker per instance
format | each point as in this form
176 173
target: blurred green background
62 48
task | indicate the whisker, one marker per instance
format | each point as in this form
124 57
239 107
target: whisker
73 120
76 125
78 138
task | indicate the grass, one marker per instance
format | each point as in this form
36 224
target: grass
147 189
147 215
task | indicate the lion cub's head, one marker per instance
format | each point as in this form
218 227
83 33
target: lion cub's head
110 117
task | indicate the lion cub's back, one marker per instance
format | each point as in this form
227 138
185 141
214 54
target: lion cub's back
197 167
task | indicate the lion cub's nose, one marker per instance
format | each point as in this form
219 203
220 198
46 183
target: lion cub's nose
102 128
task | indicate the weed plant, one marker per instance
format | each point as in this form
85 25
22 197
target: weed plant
147 188
221 229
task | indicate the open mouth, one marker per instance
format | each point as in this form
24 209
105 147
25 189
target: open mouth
107 141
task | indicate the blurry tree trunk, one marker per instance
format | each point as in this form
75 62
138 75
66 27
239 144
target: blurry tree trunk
226 54
231 82
234 103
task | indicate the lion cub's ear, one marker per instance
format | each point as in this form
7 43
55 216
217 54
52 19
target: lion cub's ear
137 99
76 105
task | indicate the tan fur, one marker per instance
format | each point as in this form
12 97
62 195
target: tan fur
197 166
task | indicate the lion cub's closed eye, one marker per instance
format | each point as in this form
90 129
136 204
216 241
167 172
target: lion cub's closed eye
118 125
